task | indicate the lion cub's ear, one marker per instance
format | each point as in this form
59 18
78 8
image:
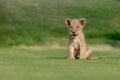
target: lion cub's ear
67 21
82 21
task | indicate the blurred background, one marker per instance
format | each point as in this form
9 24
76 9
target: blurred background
42 22
34 36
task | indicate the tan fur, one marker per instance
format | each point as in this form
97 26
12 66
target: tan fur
77 47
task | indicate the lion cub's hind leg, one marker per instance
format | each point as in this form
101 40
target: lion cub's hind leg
89 55
89 51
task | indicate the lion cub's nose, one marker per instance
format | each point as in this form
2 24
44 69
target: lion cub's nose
73 32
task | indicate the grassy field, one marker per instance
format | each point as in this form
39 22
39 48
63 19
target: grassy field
41 23
32 22
50 64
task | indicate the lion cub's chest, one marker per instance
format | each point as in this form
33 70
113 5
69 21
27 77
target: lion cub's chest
76 44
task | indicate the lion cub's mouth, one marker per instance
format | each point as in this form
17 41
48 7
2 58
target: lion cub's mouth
74 34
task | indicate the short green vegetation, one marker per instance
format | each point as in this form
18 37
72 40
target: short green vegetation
32 22
50 64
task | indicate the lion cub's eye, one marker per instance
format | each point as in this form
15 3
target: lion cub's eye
77 26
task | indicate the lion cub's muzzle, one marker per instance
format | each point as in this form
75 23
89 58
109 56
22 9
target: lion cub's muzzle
74 33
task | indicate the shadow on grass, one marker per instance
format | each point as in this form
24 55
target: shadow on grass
55 57
112 58
99 58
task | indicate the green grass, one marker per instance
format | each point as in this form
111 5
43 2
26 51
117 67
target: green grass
30 64
41 22
32 22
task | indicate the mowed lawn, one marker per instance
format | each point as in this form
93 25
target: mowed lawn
50 64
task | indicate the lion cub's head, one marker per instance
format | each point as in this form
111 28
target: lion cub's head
75 25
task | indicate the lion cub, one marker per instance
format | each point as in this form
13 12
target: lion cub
77 47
